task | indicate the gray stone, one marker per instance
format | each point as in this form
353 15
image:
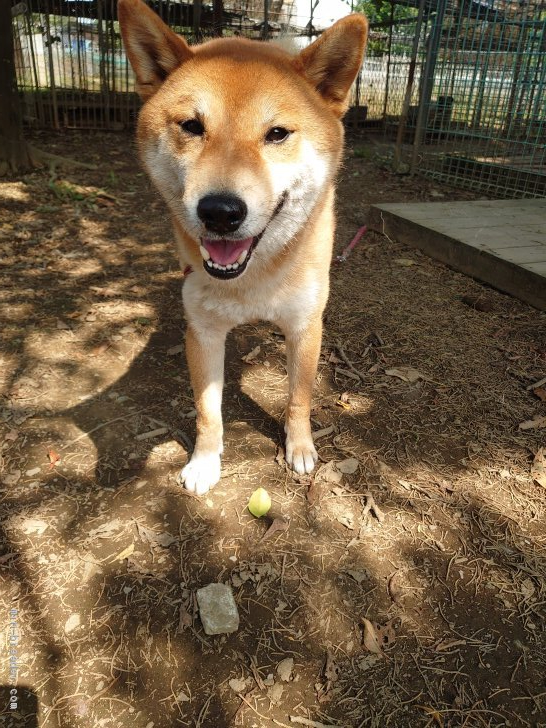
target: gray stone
217 609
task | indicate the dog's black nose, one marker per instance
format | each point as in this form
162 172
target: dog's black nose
221 213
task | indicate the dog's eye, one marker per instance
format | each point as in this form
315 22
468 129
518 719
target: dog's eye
193 126
276 135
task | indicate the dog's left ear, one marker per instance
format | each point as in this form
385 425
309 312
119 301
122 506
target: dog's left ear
332 62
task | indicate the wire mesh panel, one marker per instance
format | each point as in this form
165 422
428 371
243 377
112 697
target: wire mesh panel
70 65
388 63
482 119
72 70
460 84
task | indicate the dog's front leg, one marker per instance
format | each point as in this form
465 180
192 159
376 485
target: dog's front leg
302 353
205 355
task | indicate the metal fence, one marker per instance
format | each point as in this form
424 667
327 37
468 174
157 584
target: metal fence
72 70
481 119
457 85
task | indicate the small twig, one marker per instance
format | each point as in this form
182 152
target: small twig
536 384
203 712
372 506
105 689
152 433
257 676
347 373
347 361
250 694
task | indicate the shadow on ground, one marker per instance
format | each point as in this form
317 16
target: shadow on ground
102 551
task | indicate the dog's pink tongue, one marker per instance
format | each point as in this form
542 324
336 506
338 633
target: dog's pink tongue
225 252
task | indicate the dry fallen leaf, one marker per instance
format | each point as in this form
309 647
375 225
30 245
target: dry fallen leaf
394 589
105 530
322 433
540 393
34 525
538 468
406 374
72 623
176 349
348 467
274 693
163 539
184 618
11 478
449 645
478 303
54 458
329 473
237 684
284 668
277 526
527 588
535 423
376 636
359 575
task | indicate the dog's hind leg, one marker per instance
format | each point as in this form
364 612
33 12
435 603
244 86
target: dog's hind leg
205 355
302 352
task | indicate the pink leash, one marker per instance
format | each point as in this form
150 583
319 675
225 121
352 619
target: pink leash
345 254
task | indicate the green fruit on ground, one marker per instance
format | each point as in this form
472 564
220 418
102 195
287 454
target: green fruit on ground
259 502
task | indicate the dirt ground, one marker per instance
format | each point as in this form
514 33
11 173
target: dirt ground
404 586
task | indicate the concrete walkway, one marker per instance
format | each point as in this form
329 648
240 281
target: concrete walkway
500 242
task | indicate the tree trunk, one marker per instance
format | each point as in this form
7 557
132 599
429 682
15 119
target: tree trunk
15 156
217 17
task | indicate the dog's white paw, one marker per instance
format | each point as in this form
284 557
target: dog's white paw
201 473
301 456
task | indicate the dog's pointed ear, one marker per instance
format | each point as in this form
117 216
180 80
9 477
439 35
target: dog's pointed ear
332 62
153 49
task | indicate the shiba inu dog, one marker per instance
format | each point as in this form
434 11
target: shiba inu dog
243 141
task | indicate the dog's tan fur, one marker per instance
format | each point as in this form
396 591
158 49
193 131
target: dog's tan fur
239 90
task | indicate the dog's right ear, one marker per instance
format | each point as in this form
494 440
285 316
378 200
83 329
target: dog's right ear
153 49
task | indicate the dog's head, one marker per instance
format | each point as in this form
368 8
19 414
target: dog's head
240 137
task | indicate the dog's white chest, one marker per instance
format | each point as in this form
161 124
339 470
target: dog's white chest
269 301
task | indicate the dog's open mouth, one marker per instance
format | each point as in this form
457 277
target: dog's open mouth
228 258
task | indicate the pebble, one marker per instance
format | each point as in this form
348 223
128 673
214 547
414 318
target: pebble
217 609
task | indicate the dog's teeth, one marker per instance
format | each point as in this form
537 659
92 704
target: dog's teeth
229 266
215 265
209 263
235 266
241 259
204 252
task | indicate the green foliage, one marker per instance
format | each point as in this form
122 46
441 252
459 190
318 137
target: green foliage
379 11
